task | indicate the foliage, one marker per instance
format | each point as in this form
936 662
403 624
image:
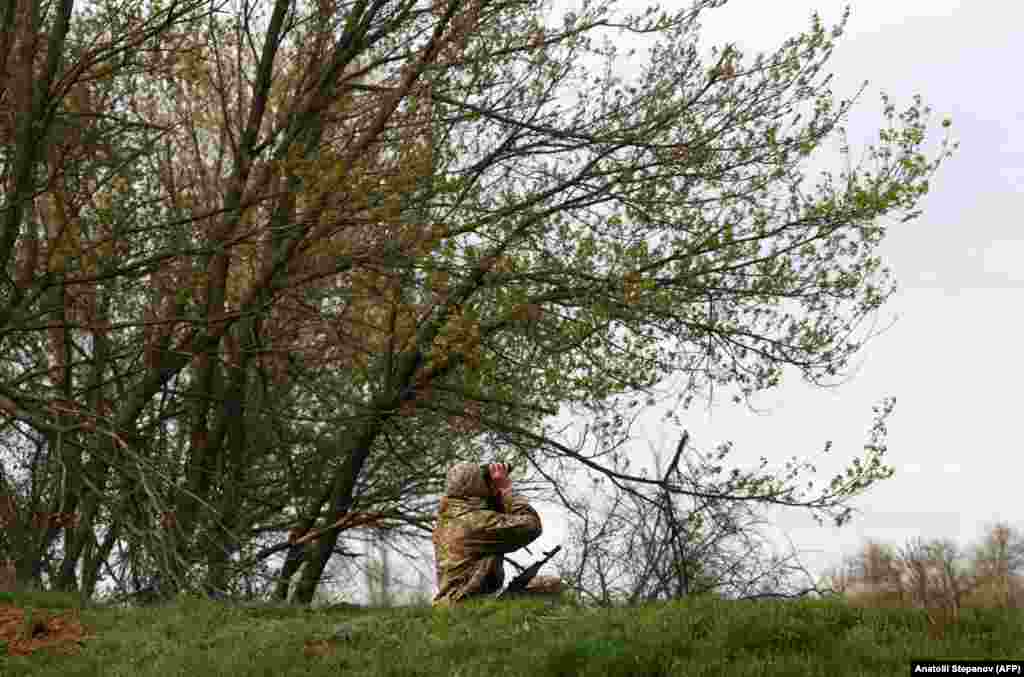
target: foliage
270 263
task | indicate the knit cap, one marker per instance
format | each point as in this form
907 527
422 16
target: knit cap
466 480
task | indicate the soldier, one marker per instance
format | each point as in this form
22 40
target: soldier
479 521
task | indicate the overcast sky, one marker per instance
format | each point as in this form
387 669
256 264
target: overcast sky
952 358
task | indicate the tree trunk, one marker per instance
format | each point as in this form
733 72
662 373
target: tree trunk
345 481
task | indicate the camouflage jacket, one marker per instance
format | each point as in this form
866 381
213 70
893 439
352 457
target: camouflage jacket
470 540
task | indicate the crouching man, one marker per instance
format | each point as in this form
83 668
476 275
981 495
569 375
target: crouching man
479 521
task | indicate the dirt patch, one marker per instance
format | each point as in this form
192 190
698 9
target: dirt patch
60 631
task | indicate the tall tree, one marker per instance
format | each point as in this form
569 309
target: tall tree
390 211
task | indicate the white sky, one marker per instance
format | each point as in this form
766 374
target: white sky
952 359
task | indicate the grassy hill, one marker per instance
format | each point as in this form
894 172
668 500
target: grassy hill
195 638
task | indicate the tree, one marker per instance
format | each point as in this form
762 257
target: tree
392 203
649 545
955 581
999 563
921 573
878 566
379 579
877 575
59 144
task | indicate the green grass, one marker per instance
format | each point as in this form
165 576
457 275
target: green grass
195 638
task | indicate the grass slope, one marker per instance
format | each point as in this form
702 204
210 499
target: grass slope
196 638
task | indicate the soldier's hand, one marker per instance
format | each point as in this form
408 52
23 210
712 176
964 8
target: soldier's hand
499 477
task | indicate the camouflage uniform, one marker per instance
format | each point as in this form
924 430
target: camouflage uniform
471 539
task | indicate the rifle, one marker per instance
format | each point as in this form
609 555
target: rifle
518 584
